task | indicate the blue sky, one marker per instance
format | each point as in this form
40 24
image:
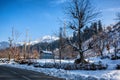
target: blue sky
43 17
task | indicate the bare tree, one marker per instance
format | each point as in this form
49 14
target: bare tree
16 48
115 43
81 14
13 44
35 54
100 42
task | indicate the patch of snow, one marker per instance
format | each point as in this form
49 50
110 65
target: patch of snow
49 52
52 61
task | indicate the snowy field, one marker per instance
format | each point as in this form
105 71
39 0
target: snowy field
109 74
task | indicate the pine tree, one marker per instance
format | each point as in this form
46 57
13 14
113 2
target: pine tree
74 36
100 29
95 28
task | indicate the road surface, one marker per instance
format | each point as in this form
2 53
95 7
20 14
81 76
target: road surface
9 73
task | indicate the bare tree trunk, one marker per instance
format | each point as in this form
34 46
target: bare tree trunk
82 57
101 53
115 52
60 55
9 55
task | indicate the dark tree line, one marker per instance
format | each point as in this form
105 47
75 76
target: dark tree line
88 32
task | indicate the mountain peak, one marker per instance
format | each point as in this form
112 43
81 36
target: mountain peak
46 38
49 38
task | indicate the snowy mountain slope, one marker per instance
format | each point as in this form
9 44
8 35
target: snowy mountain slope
46 38
4 45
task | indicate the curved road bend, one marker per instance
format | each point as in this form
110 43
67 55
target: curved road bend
9 73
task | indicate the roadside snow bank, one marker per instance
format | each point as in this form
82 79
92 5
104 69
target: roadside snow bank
74 74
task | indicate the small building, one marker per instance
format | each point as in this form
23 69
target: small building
46 55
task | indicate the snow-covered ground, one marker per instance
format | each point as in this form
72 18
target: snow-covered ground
109 74
53 61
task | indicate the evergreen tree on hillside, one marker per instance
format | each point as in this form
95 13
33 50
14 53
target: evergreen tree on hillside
100 29
74 36
95 30
91 31
86 33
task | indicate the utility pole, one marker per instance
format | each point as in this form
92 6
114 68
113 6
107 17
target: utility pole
29 48
10 45
64 31
25 44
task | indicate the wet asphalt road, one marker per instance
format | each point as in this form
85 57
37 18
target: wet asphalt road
9 73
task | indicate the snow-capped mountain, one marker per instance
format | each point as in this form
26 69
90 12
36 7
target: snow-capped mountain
46 38
4 45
